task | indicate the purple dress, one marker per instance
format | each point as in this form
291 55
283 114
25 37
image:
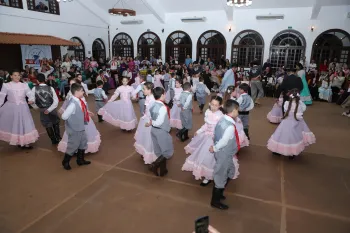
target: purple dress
120 113
291 136
276 114
93 135
16 122
143 141
175 121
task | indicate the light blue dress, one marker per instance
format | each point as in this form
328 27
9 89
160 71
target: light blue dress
305 93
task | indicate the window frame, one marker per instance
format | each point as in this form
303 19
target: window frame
31 3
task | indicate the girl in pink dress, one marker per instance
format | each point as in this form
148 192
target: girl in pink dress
137 81
93 135
276 114
175 121
292 135
16 122
201 162
157 80
143 141
120 113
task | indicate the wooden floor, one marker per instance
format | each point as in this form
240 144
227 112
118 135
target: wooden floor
117 194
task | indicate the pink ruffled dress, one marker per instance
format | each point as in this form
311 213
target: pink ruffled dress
143 141
93 135
201 162
243 139
157 81
175 120
120 113
16 122
276 114
291 136
136 83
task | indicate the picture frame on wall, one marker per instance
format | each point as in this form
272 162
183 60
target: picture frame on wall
44 6
12 3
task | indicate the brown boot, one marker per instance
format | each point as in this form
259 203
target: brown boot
155 165
163 169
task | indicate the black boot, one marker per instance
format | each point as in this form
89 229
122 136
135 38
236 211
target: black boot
99 118
65 162
201 108
184 135
163 169
180 133
51 134
80 158
155 165
56 129
215 199
246 131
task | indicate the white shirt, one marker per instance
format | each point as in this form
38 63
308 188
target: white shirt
137 90
54 96
85 88
173 85
188 100
151 76
71 109
161 115
102 92
47 72
228 134
240 99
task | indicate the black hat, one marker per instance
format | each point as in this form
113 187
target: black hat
300 66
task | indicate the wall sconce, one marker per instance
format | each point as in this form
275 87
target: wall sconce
229 29
312 28
163 30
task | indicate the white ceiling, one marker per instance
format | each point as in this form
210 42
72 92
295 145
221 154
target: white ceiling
173 6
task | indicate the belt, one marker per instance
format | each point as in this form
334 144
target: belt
142 98
99 100
243 113
156 127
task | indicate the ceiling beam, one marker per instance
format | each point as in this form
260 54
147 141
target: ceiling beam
156 8
316 8
228 10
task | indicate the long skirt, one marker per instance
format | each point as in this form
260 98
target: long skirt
143 141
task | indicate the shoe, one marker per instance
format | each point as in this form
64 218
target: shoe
65 162
180 133
80 158
51 134
163 169
184 135
275 153
26 147
216 197
205 183
155 165
291 157
246 131
56 130
100 118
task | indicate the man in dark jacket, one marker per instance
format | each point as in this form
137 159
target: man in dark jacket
290 82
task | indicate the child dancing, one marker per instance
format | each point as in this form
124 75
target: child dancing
186 112
276 114
292 135
175 120
201 91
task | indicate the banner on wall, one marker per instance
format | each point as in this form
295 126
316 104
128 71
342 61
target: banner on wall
32 55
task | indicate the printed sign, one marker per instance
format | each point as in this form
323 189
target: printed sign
32 55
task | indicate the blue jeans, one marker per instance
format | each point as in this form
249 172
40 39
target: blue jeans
62 85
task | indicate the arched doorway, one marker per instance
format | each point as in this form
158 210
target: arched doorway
247 46
286 49
148 45
211 44
178 45
334 43
123 45
98 49
77 51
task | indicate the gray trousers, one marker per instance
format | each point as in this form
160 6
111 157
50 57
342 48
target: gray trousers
224 169
186 118
245 121
76 141
99 104
48 120
256 89
201 99
142 106
162 143
166 85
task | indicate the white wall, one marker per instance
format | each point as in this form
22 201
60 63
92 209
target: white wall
75 20
298 18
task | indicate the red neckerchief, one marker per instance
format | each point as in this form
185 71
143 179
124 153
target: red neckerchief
167 108
236 136
85 112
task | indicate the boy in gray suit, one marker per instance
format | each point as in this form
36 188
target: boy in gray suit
226 144
100 97
246 104
162 141
76 116
201 91
186 112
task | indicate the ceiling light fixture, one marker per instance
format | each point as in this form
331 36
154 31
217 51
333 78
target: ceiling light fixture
121 11
239 3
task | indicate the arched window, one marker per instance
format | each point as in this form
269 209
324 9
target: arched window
149 45
211 44
77 51
286 49
247 46
334 43
123 45
98 49
178 45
